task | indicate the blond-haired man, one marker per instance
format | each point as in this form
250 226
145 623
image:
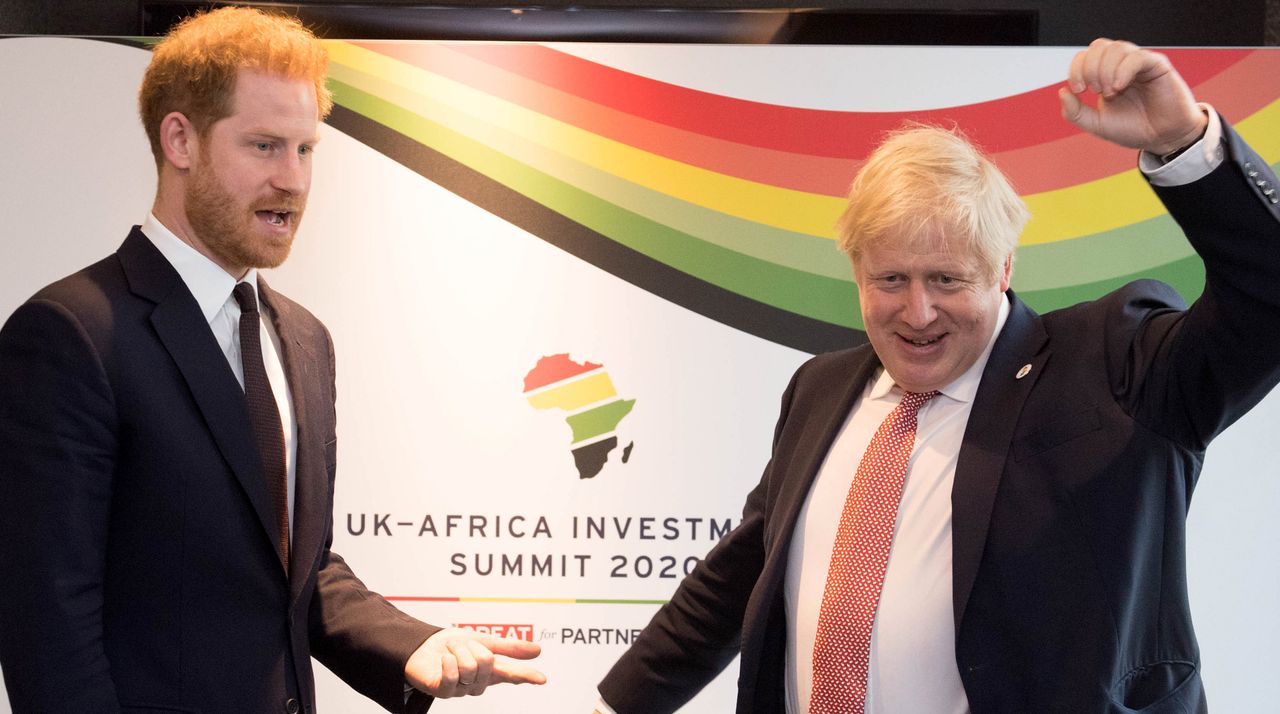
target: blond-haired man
167 449
983 510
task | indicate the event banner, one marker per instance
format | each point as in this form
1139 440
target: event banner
568 283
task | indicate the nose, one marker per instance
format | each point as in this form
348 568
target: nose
292 174
919 311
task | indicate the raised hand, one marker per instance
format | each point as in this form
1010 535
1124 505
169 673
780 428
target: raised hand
1143 103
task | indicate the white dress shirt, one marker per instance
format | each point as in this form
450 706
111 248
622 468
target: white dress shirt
913 660
211 286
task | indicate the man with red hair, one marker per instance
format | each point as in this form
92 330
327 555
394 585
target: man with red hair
167 447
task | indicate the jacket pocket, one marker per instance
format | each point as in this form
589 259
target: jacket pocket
1057 432
1172 687
331 457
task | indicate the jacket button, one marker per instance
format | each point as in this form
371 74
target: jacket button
291 706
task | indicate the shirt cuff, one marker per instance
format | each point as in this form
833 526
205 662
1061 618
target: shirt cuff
1198 161
604 708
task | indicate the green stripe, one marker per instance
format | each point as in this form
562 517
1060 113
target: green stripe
1090 259
601 420
821 298
789 249
1186 276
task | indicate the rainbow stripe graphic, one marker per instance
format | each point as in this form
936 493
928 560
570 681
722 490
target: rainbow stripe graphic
725 206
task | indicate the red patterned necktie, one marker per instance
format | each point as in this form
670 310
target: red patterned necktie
264 415
842 647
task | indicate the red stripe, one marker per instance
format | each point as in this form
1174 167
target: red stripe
554 368
1074 158
814 174
805 131
1243 89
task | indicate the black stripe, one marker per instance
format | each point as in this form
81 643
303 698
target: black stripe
724 306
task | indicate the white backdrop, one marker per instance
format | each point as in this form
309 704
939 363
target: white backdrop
439 309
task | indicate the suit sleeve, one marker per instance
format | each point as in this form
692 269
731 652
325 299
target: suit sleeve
696 635
57 456
1192 374
355 632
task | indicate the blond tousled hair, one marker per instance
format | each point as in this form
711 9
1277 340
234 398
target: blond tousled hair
193 69
925 181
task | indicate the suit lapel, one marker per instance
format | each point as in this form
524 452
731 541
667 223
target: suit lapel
304 372
826 406
832 416
987 440
177 320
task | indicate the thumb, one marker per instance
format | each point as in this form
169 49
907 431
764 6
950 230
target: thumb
1077 112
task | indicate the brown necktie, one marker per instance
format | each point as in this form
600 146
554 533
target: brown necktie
842 647
264 414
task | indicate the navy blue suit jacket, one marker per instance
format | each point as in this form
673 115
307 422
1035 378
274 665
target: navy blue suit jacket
140 570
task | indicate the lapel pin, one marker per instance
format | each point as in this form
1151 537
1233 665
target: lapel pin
1026 369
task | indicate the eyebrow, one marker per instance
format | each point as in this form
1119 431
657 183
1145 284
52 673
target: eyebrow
276 137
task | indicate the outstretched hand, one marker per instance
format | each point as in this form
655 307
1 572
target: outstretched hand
1143 103
457 662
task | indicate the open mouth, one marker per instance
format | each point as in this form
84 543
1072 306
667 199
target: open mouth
922 341
279 219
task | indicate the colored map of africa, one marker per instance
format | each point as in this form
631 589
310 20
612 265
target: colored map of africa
586 392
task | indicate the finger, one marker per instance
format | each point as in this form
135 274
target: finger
1148 66
1077 112
484 667
510 646
1093 58
466 662
1112 57
1075 73
1108 57
513 673
448 676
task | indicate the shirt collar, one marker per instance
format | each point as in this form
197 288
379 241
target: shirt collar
965 387
209 284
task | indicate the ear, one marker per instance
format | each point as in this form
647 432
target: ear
1006 272
179 140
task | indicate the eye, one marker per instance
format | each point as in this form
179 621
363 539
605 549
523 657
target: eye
305 150
946 279
263 146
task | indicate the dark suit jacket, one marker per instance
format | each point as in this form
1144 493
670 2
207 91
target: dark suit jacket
1070 495
139 568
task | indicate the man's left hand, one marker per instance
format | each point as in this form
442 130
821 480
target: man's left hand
1143 103
457 662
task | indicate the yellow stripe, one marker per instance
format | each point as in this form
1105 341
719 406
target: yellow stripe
558 600
575 394
437 98
1089 208
1125 198
1262 131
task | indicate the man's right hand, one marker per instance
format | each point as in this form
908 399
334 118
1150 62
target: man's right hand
1143 103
